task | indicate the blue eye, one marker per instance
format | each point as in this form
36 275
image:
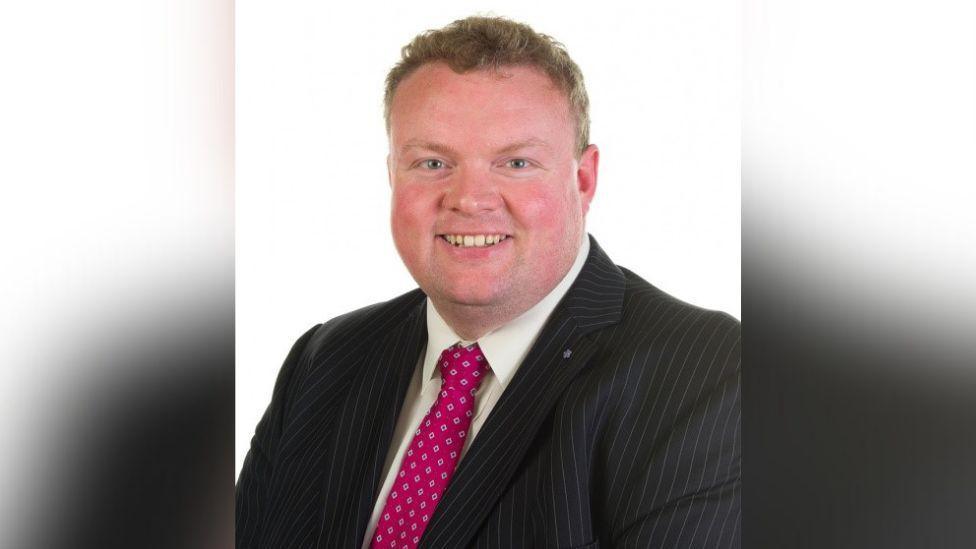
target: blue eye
518 163
433 164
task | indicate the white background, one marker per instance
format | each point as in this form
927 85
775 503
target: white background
312 211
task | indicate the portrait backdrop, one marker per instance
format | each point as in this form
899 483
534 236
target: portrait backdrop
312 193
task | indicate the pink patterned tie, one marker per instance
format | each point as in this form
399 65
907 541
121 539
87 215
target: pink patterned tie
429 463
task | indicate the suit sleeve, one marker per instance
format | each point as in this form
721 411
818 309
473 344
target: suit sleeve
252 485
684 486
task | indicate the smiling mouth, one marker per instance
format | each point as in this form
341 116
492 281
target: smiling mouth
473 240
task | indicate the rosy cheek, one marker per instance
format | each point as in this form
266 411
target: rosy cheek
412 210
535 208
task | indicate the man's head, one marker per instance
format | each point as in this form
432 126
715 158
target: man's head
489 43
484 122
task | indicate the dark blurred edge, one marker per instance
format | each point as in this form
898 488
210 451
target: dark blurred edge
851 437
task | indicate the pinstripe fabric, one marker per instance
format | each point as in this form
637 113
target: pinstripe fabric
620 429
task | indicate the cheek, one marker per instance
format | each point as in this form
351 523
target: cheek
544 208
413 214
412 211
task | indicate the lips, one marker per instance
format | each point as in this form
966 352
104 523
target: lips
474 240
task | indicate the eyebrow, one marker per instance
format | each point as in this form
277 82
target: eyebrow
524 144
449 151
429 145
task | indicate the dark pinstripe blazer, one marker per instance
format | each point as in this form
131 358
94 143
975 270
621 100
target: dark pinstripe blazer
620 429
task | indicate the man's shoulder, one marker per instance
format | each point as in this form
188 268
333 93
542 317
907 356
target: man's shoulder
668 352
329 350
645 300
683 343
615 292
368 323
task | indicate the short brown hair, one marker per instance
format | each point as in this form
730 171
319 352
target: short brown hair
490 43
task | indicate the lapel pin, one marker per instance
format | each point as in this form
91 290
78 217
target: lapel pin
567 353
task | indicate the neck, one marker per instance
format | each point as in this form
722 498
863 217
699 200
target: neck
471 322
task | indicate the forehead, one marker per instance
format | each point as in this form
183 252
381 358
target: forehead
434 102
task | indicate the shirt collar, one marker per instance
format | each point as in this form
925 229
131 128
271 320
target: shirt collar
506 346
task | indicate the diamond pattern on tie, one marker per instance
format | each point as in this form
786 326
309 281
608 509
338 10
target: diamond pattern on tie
432 456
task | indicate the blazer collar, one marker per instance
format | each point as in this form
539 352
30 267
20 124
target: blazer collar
364 425
594 301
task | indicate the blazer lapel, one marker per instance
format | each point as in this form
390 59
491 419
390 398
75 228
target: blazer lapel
365 423
593 301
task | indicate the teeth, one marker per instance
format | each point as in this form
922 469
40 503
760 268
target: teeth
469 241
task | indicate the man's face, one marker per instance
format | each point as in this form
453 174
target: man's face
483 155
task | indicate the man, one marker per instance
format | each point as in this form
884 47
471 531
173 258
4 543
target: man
530 393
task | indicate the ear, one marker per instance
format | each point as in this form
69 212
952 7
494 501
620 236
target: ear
586 175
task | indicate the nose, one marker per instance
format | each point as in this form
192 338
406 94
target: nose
472 193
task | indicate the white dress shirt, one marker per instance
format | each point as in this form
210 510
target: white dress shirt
505 348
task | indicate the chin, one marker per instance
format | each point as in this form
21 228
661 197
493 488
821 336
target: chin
471 296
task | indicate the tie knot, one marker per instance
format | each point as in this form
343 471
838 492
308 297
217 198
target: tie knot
462 367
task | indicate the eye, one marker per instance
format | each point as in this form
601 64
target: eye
432 164
518 163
